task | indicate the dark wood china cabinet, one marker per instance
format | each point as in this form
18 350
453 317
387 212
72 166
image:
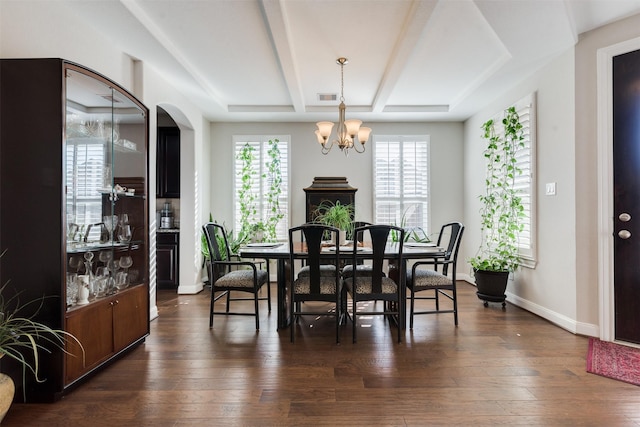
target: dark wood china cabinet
74 213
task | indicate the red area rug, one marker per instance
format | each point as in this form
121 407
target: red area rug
614 361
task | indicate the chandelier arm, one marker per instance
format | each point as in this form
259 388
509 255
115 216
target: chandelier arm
324 148
355 147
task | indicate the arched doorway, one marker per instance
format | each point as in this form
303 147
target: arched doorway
185 208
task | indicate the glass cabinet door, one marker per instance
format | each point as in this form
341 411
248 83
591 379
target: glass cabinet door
105 186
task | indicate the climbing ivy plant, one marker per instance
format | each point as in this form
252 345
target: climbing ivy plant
502 208
256 224
273 176
247 198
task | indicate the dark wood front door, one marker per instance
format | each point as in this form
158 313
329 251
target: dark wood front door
626 203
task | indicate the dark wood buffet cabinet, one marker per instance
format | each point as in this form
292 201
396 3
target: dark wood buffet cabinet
74 214
167 260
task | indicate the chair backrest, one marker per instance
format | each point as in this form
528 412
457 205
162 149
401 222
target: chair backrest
379 236
454 231
354 225
312 236
218 248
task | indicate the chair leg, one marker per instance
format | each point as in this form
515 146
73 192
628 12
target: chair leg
228 299
255 299
338 318
268 289
292 326
437 300
354 319
455 306
413 295
211 308
399 322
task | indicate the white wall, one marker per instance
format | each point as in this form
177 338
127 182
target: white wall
550 289
587 227
308 162
32 29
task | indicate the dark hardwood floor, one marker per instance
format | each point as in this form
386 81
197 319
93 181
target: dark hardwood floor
498 367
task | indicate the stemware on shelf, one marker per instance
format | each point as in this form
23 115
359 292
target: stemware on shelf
72 288
75 262
124 233
101 277
110 222
122 279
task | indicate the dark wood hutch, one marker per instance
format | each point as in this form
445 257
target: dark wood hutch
325 188
73 152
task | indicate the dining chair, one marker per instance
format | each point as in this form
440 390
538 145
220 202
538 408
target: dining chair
421 279
347 270
228 276
375 285
315 284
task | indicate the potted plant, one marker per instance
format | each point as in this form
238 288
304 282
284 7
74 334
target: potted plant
336 215
501 210
413 234
22 339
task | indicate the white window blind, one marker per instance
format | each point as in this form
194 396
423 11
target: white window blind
260 181
525 183
401 181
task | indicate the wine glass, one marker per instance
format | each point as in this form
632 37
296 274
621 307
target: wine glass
75 263
72 288
126 262
110 223
124 233
105 256
88 257
100 281
123 280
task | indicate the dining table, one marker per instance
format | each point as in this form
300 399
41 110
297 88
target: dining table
279 252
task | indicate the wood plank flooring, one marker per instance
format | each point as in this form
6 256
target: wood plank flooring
498 367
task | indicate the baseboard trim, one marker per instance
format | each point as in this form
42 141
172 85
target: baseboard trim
558 319
191 289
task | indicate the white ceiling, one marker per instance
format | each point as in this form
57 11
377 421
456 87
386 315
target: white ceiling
409 60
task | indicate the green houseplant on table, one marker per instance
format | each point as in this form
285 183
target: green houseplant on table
501 210
336 215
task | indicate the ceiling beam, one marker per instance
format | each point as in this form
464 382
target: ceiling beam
417 18
277 25
156 32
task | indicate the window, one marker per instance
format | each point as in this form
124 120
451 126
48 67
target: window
260 181
525 183
401 177
86 171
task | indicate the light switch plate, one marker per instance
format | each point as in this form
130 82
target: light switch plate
551 189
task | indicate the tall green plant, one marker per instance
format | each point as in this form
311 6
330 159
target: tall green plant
273 177
252 221
246 197
502 208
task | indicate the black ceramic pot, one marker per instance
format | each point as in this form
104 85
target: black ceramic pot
491 285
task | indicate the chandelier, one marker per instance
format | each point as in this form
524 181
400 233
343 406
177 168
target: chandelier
348 130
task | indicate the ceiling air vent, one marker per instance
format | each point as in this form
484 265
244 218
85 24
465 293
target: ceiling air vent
327 97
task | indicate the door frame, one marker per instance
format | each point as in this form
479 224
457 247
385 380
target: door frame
605 183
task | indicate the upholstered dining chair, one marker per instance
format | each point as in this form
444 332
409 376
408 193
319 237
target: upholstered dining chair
442 283
374 285
228 276
320 280
347 270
